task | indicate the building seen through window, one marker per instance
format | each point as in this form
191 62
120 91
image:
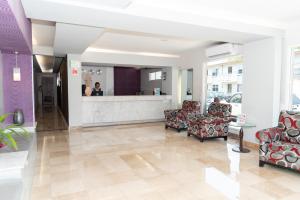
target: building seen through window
224 80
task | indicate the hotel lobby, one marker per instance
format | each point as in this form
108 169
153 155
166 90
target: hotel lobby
150 100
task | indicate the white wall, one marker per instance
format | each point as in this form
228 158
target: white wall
74 91
261 84
1 86
195 59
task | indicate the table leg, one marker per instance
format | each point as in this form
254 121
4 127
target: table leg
241 149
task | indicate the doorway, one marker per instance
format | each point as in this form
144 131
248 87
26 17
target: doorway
186 85
48 93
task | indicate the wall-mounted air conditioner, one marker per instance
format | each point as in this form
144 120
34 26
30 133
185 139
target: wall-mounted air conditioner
223 50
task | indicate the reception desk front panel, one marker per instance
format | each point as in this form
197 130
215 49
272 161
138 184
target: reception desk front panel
109 110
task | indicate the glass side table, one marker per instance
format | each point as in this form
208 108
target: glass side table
241 149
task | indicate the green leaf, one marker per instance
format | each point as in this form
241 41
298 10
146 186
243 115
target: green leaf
3 117
11 141
23 132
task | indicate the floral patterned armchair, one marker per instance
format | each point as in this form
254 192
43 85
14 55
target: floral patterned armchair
178 118
213 125
281 145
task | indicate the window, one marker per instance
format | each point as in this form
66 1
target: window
152 76
229 88
155 76
215 73
158 75
230 70
215 88
225 81
295 99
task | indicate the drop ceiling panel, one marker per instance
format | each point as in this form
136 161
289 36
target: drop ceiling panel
74 39
139 42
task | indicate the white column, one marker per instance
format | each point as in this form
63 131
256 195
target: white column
175 73
261 84
74 90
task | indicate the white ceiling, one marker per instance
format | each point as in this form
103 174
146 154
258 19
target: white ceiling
70 38
140 42
163 26
275 13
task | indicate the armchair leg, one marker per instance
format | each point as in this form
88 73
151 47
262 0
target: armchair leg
166 126
188 134
178 130
225 138
201 139
261 163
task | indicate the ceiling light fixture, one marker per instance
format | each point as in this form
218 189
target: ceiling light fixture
99 50
16 70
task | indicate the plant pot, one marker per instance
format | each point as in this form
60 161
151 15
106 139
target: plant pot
2 145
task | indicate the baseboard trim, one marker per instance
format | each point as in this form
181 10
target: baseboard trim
247 144
251 145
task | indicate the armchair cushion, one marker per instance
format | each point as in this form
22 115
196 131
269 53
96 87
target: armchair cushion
282 153
214 124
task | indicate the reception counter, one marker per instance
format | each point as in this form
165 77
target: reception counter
110 110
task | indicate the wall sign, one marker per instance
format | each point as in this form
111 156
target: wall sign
74 67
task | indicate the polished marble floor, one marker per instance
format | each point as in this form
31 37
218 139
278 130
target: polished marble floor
50 118
147 162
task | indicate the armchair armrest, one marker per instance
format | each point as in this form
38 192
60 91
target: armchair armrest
169 114
269 135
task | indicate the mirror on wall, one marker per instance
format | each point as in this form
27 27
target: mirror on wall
116 80
186 84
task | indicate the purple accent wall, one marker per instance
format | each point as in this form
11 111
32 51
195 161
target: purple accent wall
18 94
126 81
15 35
15 28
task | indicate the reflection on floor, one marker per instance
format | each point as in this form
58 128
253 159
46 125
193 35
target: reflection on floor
50 118
147 162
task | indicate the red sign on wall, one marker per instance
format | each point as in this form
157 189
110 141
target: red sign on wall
74 71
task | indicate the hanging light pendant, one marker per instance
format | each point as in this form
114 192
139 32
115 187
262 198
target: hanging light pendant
16 70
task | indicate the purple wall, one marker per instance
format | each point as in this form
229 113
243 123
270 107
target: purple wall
126 80
18 94
15 35
15 29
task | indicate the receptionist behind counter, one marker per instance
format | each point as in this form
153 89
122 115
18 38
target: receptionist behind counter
97 90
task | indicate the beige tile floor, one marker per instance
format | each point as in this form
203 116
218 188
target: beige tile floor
49 118
147 162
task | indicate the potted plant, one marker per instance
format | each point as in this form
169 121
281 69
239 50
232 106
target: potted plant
8 131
